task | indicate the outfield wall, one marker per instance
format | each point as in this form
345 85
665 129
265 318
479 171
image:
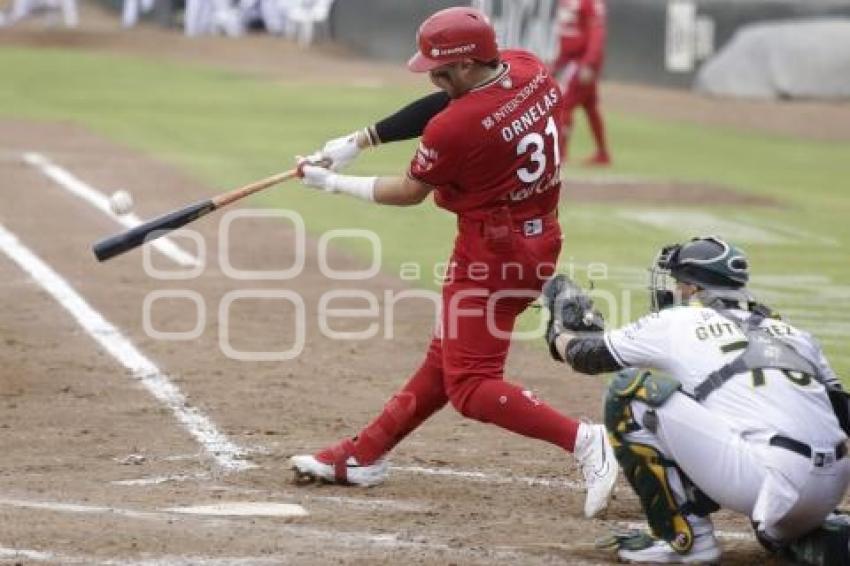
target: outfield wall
660 42
382 29
649 41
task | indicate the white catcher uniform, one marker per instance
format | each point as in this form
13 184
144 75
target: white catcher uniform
722 444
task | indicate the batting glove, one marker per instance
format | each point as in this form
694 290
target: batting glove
318 178
322 178
341 151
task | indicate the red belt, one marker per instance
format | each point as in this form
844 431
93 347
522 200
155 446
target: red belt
501 218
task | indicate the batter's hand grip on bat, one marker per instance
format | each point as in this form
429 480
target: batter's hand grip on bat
151 230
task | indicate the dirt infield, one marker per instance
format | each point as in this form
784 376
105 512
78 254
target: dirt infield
627 190
93 465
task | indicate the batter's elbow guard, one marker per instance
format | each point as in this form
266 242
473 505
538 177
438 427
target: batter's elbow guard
410 121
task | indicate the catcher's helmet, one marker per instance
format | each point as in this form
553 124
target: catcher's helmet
708 262
451 35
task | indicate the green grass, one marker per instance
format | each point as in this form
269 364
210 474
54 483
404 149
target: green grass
803 172
228 129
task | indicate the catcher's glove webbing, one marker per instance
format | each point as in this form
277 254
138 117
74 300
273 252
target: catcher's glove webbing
570 309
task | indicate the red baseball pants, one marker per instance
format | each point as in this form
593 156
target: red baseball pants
465 365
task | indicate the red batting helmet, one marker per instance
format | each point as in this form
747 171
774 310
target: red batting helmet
452 35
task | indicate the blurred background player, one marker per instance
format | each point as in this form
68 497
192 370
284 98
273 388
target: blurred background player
25 8
490 154
581 31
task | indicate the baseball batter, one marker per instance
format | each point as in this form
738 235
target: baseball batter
736 411
490 154
581 31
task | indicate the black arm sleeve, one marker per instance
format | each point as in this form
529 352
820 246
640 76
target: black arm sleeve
590 355
410 121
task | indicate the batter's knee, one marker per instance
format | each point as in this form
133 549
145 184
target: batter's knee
460 394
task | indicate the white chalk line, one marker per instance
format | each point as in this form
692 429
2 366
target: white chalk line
242 509
75 186
341 540
359 502
76 509
36 555
307 497
187 457
742 230
471 475
704 223
224 452
345 538
359 539
156 480
42 556
491 478
373 504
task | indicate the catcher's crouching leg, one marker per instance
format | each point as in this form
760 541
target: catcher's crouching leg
646 468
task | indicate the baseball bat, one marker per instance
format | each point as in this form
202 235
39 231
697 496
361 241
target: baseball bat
161 225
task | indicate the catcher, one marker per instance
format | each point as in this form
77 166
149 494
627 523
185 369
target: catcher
736 409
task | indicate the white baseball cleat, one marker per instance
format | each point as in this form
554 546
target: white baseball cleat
337 465
598 464
704 551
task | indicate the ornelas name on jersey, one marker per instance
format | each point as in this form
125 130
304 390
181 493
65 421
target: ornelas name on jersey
536 112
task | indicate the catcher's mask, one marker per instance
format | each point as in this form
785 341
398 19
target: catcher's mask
707 262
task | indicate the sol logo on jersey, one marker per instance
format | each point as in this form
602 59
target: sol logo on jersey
537 189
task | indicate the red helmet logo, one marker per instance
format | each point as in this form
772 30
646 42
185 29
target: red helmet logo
452 35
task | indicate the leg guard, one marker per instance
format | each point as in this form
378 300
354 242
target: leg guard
643 465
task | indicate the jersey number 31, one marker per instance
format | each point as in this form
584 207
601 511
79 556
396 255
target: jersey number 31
536 145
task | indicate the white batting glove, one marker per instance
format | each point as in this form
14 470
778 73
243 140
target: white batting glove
322 178
341 151
319 178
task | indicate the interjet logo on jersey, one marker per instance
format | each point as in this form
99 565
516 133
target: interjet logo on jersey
459 50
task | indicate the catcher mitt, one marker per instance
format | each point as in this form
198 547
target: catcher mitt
570 310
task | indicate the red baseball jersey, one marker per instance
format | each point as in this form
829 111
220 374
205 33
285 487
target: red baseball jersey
581 28
498 144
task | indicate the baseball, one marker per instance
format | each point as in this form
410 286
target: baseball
121 202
